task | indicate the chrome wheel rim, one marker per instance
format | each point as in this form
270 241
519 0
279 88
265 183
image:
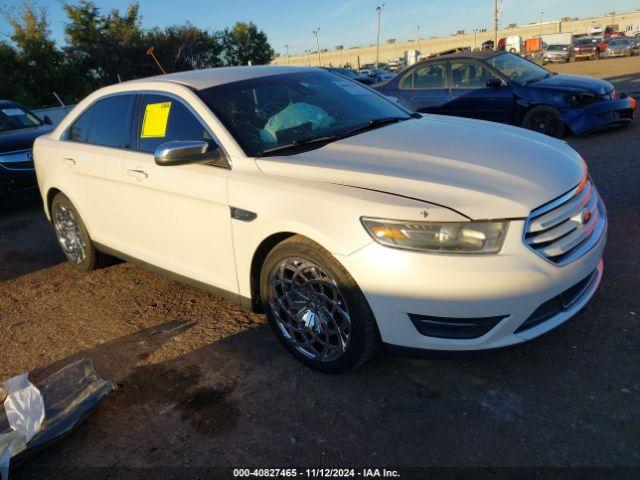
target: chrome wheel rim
309 309
69 234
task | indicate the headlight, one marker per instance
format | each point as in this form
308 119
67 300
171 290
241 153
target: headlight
580 99
439 237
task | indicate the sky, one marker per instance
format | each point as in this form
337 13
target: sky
340 22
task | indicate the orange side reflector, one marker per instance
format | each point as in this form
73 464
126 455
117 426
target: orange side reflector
633 103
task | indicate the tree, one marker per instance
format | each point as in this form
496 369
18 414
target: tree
38 63
103 48
184 47
9 86
244 43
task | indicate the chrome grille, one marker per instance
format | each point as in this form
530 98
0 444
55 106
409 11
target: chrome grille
568 227
18 160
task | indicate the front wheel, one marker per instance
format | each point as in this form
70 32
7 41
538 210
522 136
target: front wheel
544 119
316 308
73 236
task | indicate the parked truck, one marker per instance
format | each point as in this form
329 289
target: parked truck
514 44
557 38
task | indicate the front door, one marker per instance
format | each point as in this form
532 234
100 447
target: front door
179 218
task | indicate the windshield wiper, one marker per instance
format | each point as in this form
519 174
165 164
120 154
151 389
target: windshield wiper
322 141
373 123
300 144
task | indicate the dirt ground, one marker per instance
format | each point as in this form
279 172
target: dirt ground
202 383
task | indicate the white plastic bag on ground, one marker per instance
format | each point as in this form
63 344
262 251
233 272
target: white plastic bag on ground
24 408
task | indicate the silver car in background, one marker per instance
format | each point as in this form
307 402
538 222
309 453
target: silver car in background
620 47
557 54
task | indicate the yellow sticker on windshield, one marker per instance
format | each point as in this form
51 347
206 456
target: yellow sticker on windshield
154 123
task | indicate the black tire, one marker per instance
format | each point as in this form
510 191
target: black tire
92 258
364 338
544 119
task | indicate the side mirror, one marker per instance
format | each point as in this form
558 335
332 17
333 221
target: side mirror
47 120
495 83
185 152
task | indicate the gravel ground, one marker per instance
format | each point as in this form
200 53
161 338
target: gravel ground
202 383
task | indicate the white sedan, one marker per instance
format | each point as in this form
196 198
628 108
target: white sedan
348 220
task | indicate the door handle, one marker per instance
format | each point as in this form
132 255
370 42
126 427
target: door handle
137 174
70 162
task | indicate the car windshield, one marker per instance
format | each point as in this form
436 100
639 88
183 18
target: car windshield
618 43
281 112
518 69
345 72
13 117
558 48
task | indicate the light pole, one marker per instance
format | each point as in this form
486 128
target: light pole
379 10
495 25
287 47
315 32
475 39
541 14
418 33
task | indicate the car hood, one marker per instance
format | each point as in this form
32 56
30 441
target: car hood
481 169
22 138
574 82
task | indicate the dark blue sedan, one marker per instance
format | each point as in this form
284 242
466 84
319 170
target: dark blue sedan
506 88
18 129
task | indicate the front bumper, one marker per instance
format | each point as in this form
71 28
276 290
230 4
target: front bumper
17 172
617 53
513 284
599 115
11 181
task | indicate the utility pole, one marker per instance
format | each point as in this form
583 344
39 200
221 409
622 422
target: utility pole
287 47
541 14
418 32
475 39
495 25
315 32
379 10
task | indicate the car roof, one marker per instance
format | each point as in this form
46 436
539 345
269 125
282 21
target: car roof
480 54
8 103
212 77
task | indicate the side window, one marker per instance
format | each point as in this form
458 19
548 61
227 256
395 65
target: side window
79 131
468 75
426 77
110 126
164 119
107 123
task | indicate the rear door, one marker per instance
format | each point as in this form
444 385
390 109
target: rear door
471 97
93 150
178 217
425 88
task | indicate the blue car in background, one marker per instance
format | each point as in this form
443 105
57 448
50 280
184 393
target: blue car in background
18 129
507 88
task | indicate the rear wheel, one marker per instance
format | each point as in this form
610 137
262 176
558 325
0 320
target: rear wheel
316 308
73 236
544 119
